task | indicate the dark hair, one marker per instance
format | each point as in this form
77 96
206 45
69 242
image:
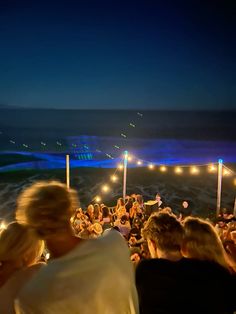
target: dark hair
105 212
123 219
165 230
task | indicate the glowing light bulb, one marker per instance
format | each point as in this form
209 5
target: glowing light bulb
212 168
120 166
226 172
130 158
105 188
114 178
163 168
178 170
47 256
3 225
139 163
151 166
98 199
194 170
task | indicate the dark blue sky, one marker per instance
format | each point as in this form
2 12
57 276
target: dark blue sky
117 54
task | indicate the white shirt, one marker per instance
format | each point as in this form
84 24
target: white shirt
96 277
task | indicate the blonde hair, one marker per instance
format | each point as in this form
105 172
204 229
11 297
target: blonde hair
202 242
18 242
46 206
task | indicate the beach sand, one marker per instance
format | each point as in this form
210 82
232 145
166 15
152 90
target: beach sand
199 189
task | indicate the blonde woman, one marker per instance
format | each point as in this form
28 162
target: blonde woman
73 275
202 242
20 250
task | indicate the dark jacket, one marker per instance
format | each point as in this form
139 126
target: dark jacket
187 286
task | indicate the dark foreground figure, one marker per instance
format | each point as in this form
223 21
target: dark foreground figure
170 283
184 286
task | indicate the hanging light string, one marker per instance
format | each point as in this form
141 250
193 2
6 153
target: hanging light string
212 167
228 171
106 187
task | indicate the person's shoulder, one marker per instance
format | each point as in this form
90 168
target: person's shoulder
208 268
111 238
153 264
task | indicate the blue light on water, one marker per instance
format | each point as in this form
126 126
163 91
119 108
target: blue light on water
157 151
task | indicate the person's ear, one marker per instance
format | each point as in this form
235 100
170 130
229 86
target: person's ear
152 248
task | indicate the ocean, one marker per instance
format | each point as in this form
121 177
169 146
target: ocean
97 138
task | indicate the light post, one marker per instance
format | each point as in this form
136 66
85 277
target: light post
125 174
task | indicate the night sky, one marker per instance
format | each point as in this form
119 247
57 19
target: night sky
117 54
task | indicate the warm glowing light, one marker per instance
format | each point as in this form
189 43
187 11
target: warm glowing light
178 170
3 225
130 158
114 178
139 163
98 199
163 168
226 172
105 188
151 166
212 168
194 170
120 166
47 256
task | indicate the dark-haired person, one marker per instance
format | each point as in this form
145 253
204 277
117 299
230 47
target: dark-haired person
73 282
169 283
124 226
106 220
185 209
160 203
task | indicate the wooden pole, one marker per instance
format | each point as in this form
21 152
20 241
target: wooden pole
235 207
125 174
219 186
68 171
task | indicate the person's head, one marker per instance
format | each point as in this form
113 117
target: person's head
185 204
120 202
139 199
135 255
129 202
137 223
135 205
105 212
221 224
96 211
164 234
19 246
202 242
123 219
47 206
90 210
158 197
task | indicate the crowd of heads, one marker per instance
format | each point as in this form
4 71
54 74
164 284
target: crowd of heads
48 208
193 237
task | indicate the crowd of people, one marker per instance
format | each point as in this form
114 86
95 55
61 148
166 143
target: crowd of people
135 257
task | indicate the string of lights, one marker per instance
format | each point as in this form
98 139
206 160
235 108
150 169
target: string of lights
193 169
